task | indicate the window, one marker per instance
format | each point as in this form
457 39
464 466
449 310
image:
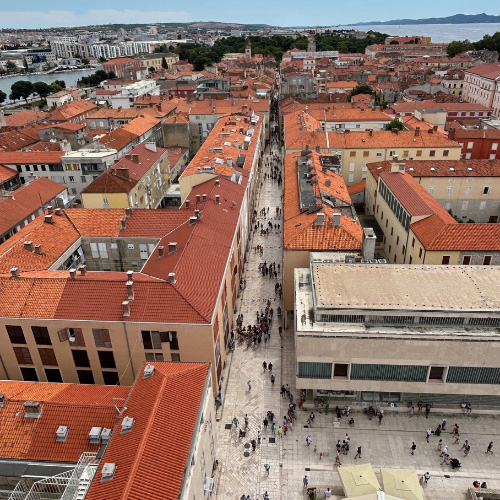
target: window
351 167
366 154
23 355
419 153
406 373
16 334
486 260
314 370
71 178
81 358
431 190
340 369
465 205
413 242
494 146
93 249
446 152
405 153
432 152
420 253
53 375
105 202
397 240
143 249
41 335
449 190
103 250
85 376
482 205
379 154
153 356
106 359
466 260
470 145
445 260
83 179
486 190
175 356
351 178
352 154
411 259
436 373
468 156
468 190
29 374
101 338
47 356
110 378
390 246
392 228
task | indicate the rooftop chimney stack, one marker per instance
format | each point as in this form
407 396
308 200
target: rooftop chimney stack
336 219
38 249
217 182
197 213
49 209
48 219
128 212
58 211
130 275
123 223
72 273
320 219
368 244
417 131
28 245
83 270
187 203
172 247
217 199
161 252
171 277
14 272
204 197
126 308
130 290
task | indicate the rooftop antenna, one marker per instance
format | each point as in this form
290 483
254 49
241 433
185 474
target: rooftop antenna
116 405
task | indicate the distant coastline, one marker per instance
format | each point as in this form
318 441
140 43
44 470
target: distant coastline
455 19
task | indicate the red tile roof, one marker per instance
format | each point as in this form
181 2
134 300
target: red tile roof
165 412
80 407
95 222
23 157
25 117
22 202
71 110
6 173
487 70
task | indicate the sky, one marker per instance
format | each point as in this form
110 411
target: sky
54 13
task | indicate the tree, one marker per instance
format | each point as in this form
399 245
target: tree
10 66
54 88
61 83
164 64
151 69
361 89
85 61
395 123
42 89
3 96
102 59
200 62
21 89
456 47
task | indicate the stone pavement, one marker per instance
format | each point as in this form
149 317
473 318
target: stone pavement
290 458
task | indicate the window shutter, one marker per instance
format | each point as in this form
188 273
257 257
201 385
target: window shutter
63 334
105 338
48 357
23 355
156 339
79 338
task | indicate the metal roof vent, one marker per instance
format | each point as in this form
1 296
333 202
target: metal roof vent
32 409
95 435
171 277
320 219
130 290
148 371
62 433
127 424
105 435
108 472
2 399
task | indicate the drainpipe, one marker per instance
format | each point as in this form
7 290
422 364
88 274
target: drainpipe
128 348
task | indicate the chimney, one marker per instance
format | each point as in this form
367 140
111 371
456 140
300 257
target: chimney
126 308
204 197
229 162
135 158
368 245
161 249
197 213
320 219
58 211
198 198
130 275
83 270
49 209
336 219
193 220
371 133
107 472
28 245
171 277
217 182
217 199
38 249
187 203
48 219
130 290
417 131
72 273
75 205
435 128
122 172
123 223
328 182
14 272
397 167
128 212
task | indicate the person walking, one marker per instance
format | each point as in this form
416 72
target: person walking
466 442
466 450
489 449
440 446
235 422
280 431
267 467
412 411
337 460
266 423
445 451
428 434
272 380
259 436
443 424
358 454
427 410
413 448
427 476
273 429
305 481
380 417
249 383
264 365
308 440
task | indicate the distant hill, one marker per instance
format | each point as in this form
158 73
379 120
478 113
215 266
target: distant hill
455 19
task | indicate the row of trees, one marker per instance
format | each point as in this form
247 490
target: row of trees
22 89
488 42
98 77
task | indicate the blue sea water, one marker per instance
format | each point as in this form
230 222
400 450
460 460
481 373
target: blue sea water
439 33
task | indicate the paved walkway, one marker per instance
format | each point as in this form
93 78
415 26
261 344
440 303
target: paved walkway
290 458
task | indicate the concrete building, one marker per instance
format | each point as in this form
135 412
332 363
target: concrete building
129 93
477 144
106 453
73 134
468 189
156 60
482 86
68 94
406 345
350 118
137 180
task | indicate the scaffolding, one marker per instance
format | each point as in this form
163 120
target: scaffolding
70 485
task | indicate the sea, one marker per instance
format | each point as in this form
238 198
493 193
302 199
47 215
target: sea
69 77
439 33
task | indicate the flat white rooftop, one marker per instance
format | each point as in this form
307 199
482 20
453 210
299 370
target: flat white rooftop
395 288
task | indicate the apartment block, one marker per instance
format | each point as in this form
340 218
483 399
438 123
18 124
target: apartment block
406 345
477 144
482 86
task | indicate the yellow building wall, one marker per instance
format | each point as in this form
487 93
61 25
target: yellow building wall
95 200
292 259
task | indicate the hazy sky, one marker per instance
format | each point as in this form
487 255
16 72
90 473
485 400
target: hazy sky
37 14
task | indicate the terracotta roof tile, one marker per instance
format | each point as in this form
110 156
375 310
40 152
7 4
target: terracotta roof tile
6 173
25 117
22 157
95 222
